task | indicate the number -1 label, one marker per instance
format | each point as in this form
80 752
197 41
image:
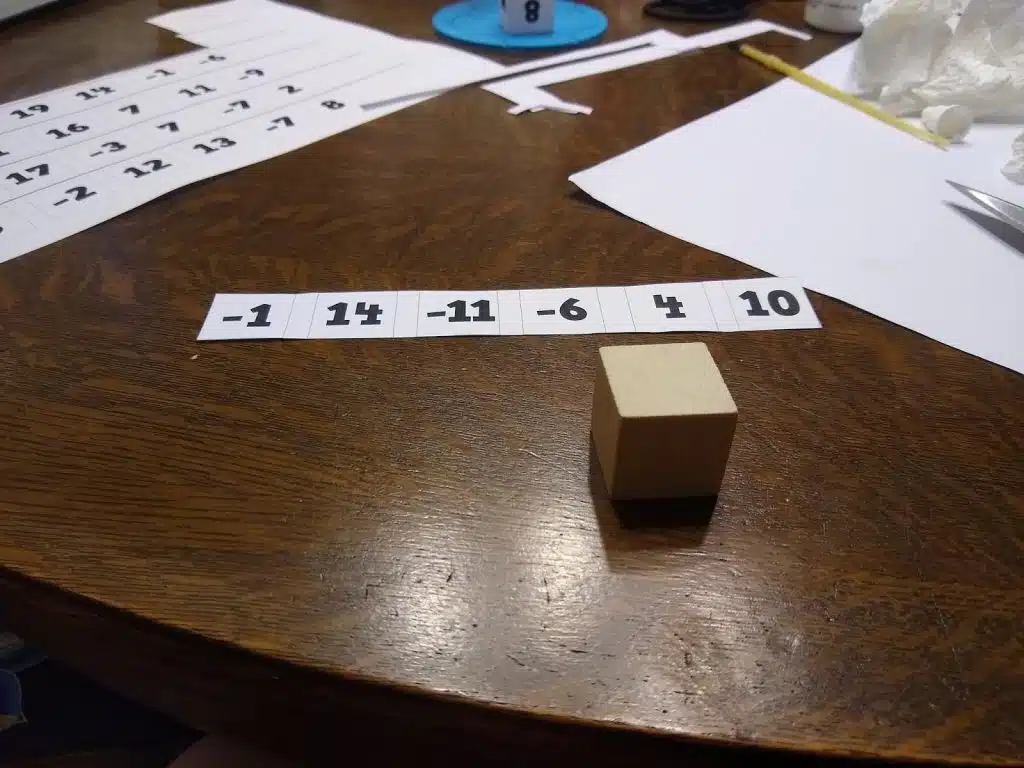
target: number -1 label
247 316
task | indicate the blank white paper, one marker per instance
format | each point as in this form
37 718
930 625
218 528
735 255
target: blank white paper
794 183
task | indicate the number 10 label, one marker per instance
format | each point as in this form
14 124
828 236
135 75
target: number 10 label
767 304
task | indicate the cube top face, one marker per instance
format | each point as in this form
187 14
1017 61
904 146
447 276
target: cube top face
661 380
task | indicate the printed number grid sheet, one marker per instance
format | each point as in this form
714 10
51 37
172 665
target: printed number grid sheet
733 305
77 156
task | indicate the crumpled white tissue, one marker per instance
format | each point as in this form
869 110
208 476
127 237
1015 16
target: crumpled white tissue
1014 170
916 54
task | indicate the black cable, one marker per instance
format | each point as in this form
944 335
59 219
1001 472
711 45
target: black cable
697 10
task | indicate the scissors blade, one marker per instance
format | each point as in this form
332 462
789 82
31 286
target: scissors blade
1009 212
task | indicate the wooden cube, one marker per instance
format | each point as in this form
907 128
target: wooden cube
663 421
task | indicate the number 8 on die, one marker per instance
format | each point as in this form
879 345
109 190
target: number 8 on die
528 17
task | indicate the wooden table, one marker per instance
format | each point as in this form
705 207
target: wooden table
322 545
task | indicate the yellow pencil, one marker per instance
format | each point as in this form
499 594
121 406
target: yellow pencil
774 62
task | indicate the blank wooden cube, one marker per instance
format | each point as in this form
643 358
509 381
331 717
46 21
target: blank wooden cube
663 421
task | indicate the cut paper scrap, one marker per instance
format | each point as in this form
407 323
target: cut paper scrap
526 91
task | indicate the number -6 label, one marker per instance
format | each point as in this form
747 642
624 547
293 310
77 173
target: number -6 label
770 303
527 17
561 310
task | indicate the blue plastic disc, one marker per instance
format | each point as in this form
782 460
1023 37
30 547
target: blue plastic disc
479 22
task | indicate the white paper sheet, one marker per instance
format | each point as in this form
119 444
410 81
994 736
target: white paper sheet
794 183
280 78
735 305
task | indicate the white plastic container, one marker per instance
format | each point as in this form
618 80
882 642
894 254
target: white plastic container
835 15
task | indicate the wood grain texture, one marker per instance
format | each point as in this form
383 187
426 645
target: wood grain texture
309 539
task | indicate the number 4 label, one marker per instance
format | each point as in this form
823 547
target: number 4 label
527 17
769 303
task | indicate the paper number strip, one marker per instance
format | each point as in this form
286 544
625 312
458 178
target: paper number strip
734 305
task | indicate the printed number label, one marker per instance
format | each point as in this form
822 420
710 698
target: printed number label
370 312
781 302
562 310
280 122
671 303
72 128
74 195
457 313
30 174
771 302
353 315
670 307
460 315
332 105
32 111
108 147
196 90
261 319
94 93
215 144
570 310
240 104
248 316
148 167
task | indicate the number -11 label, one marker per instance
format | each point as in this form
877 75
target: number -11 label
457 313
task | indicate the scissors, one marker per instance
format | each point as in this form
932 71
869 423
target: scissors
1011 213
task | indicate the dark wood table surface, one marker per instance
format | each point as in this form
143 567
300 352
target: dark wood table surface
404 543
